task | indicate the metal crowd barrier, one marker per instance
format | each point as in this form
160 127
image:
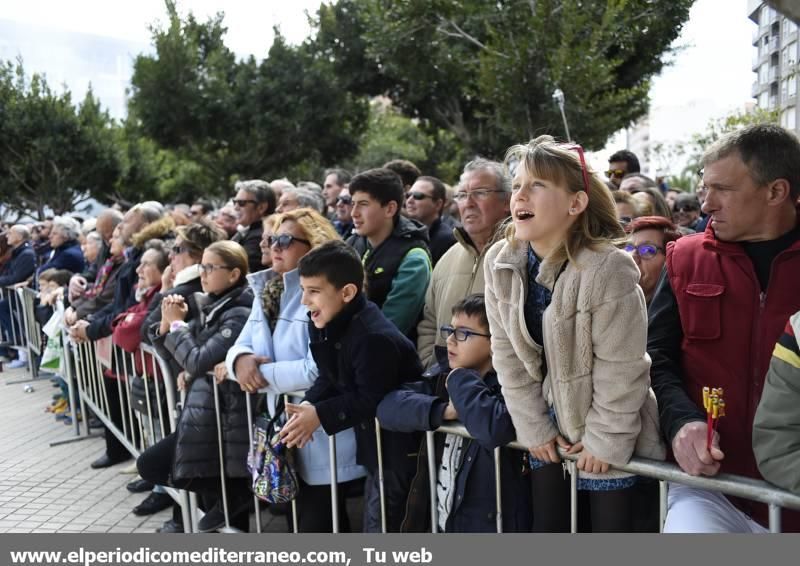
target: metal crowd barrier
25 333
87 362
738 486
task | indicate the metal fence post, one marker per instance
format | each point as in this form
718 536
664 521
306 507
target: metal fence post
429 441
334 484
774 518
498 490
381 484
573 496
251 423
221 453
663 491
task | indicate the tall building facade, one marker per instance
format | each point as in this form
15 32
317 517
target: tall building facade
776 54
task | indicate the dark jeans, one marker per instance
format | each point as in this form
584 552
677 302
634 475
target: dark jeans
155 466
314 510
6 322
396 485
114 448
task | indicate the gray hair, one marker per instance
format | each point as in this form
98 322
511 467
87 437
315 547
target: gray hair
150 211
22 231
282 184
261 191
69 226
307 198
498 170
310 185
95 236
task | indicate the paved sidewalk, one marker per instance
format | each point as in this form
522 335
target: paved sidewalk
47 489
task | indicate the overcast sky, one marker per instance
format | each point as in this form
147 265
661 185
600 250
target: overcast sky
711 74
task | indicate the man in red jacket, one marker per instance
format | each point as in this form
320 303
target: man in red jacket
719 308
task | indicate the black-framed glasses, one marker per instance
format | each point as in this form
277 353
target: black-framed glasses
283 241
345 199
209 268
645 251
461 334
242 202
477 194
418 196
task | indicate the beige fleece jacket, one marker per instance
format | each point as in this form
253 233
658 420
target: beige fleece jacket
595 334
458 273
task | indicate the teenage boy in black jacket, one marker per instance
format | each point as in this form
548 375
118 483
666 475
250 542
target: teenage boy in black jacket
361 356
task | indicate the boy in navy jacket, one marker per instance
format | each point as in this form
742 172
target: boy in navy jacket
465 491
361 356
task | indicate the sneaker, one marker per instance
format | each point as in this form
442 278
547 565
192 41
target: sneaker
58 405
154 503
171 526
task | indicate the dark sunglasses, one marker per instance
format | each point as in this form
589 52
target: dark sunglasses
242 202
461 334
645 251
611 173
283 241
418 196
344 200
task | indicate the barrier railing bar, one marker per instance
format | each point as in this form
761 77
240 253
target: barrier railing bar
498 497
573 496
737 486
381 486
224 491
429 444
150 422
334 484
256 502
774 518
662 505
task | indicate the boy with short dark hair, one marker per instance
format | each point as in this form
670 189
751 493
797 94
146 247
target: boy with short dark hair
469 392
360 356
393 248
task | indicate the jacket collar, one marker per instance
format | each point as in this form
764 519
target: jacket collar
514 255
337 328
259 279
187 274
20 248
210 306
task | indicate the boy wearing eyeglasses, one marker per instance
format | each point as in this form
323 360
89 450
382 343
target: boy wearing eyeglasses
462 386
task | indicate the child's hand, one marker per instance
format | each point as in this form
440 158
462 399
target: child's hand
450 413
547 452
303 421
587 462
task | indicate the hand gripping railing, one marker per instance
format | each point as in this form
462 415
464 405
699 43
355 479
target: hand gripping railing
737 486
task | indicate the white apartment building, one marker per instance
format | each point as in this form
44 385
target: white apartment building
776 54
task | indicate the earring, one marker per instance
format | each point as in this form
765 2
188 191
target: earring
572 211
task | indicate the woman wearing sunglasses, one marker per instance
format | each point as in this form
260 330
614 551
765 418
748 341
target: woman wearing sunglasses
189 457
272 356
569 324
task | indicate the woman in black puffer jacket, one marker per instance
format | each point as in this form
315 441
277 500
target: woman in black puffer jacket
189 458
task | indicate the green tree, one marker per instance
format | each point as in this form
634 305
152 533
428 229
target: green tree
225 119
54 155
485 71
691 151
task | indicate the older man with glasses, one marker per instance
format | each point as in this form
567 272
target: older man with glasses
483 197
254 200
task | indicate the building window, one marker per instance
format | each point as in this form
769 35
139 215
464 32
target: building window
791 119
792 90
763 100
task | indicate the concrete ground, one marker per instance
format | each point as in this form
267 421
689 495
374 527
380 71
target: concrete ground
46 489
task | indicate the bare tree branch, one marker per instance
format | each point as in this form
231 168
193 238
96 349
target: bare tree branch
464 35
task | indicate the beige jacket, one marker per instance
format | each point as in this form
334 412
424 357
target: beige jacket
595 335
458 273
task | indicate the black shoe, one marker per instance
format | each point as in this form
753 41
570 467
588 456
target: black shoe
105 461
171 526
212 521
139 486
94 422
154 503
